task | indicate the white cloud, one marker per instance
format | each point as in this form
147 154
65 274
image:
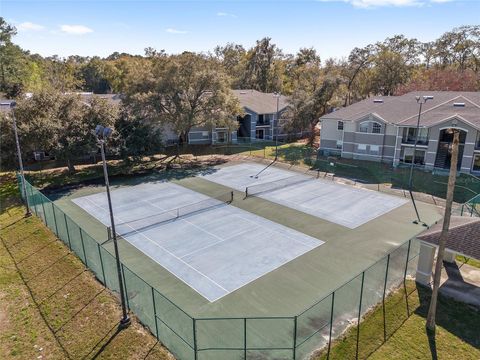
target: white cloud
175 31
75 29
379 3
29 26
225 14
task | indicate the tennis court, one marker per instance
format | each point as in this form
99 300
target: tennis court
213 247
341 204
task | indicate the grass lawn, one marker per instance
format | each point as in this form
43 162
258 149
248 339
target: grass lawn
457 334
50 305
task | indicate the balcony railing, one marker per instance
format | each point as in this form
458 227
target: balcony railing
411 140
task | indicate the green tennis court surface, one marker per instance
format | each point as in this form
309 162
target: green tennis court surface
260 313
211 246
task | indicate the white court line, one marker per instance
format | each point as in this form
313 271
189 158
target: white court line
176 257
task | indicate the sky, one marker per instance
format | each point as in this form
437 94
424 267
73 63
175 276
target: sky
332 27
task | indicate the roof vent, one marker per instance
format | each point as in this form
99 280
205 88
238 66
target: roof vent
459 104
243 92
378 101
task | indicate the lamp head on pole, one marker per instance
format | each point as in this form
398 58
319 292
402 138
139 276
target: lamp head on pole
102 132
423 99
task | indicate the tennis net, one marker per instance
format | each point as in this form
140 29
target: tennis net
275 185
150 221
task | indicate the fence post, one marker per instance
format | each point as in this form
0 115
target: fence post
44 213
244 338
383 300
359 314
33 201
195 352
54 219
331 326
103 270
155 312
125 286
295 337
68 232
405 277
83 245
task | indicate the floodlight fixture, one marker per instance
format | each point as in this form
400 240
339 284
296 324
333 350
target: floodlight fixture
99 130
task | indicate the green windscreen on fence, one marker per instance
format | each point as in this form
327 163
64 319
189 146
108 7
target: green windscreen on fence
240 338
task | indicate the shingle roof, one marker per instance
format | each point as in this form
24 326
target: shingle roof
403 110
261 103
463 235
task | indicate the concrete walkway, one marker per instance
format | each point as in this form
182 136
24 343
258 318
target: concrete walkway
461 282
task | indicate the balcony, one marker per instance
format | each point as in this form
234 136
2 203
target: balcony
409 135
264 120
411 140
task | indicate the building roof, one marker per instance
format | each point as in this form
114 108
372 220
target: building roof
463 235
403 110
259 102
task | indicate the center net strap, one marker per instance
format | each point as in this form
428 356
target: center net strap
148 222
275 185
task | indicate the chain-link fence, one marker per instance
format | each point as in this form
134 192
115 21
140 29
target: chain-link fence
275 337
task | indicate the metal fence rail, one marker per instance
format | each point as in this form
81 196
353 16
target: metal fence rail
281 337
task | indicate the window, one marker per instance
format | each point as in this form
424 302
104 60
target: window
364 127
377 128
339 144
362 147
374 149
340 125
476 163
419 156
205 133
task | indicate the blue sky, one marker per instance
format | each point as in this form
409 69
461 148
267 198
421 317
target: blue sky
333 27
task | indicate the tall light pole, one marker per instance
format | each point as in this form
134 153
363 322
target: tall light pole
420 100
19 154
277 95
102 134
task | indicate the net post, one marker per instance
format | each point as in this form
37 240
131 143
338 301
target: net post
359 314
331 326
383 299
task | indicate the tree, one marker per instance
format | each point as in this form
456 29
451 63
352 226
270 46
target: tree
358 60
183 92
94 76
135 136
61 124
232 58
444 234
262 70
309 103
